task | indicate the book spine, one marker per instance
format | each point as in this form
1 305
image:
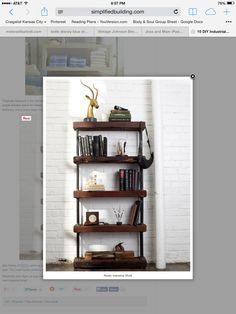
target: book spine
120 115
79 148
100 145
120 111
132 214
117 120
83 146
136 179
137 214
126 180
121 179
105 146
87 146
96 146
90 140
133 179
130 181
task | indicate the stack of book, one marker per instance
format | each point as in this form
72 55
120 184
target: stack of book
98 58
57 61
77 62
129 179
120 115
92 145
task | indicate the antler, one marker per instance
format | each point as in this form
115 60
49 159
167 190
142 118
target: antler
88 87
96 91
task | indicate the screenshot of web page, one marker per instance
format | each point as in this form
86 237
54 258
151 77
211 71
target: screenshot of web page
117 156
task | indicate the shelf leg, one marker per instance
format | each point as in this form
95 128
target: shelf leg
141 243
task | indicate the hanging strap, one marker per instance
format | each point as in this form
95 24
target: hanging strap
148 141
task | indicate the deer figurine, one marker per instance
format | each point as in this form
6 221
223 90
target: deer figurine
93 103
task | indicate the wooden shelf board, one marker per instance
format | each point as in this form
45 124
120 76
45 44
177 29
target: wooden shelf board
109 228
133 263
131 193
110 126
107 159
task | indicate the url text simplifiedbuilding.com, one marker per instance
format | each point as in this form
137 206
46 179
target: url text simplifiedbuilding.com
114 11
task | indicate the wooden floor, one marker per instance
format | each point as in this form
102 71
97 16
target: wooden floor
150 267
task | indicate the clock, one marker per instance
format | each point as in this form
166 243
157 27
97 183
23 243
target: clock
92 218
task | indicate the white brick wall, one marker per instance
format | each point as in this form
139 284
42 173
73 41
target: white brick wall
176 125
65 103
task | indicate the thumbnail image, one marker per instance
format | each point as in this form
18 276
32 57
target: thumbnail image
52 57
68 57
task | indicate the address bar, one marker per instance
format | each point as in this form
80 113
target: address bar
76 11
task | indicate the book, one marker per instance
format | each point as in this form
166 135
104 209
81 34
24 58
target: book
130 179
126 180
105 146
83 146
134 213
120 119
79 147
90 140
119 116
96 146
120 111
87 146
100 145
136 218
138 180
136 177
121 179
125 114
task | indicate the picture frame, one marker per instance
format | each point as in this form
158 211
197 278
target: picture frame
92 218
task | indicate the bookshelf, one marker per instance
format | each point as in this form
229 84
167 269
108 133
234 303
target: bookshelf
138 262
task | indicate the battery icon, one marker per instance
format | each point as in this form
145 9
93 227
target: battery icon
230 2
